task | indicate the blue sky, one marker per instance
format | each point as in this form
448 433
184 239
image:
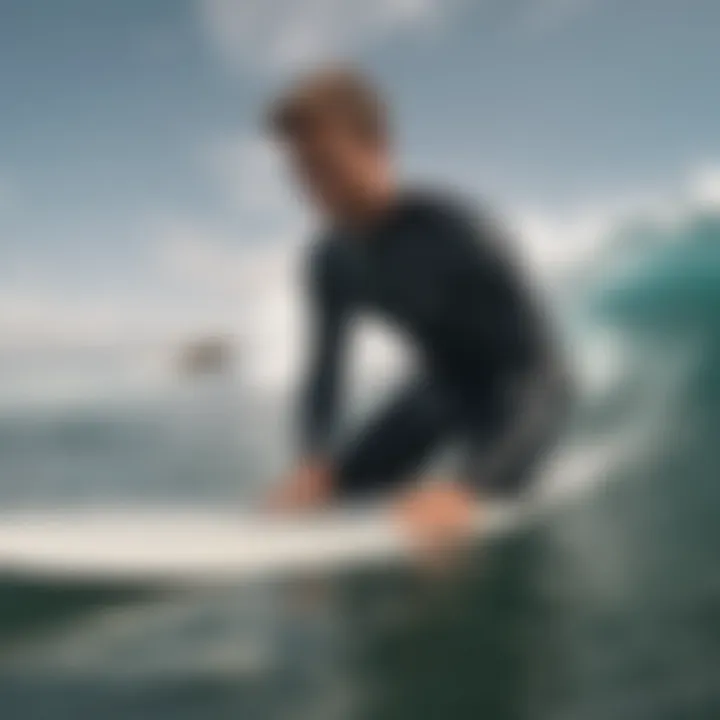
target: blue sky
135 191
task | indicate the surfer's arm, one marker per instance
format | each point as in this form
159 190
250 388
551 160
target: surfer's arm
530 398
311 484
500 458
320 393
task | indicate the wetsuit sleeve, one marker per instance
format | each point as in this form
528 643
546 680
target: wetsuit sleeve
319 394
532 412
523 413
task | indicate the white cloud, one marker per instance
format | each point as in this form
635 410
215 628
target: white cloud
194 280
705 186
43 318
286 34
251 174
555 245
282 34
198 256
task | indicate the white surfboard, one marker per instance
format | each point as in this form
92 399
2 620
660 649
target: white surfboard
141 545
182 546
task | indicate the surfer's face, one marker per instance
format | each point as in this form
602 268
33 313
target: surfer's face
338 169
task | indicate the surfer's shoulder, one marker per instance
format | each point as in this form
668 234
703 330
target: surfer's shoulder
453 218
444 209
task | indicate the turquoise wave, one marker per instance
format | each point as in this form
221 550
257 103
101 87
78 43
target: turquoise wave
668 297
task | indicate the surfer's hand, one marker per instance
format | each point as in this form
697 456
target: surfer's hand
437 516
309 487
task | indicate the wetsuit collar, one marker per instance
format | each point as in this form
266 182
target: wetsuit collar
378 225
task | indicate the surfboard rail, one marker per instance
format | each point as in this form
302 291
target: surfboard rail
211 545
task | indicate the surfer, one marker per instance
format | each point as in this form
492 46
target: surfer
490 379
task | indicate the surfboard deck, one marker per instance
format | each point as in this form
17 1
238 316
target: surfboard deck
205 546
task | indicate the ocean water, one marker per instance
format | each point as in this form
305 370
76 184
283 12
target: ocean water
606 609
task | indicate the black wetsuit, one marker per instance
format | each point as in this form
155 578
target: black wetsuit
490 377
